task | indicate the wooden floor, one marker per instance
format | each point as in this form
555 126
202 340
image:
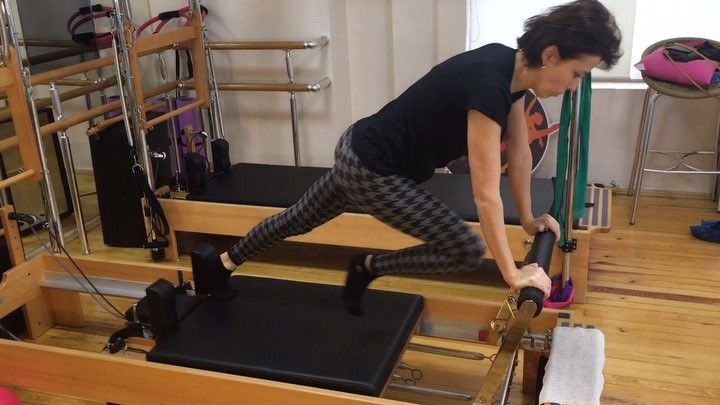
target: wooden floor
653 292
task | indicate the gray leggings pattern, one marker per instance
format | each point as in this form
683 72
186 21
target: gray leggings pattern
449 243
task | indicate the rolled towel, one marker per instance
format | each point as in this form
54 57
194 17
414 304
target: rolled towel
573 374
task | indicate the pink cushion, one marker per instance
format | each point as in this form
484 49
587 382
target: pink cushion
658 66
7 397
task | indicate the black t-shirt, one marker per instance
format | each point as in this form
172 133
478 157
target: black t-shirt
426 126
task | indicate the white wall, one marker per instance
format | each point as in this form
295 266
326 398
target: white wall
378 48
485 26
615 118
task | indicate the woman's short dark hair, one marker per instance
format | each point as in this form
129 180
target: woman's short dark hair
583 27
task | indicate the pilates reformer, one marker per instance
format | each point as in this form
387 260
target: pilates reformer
186 216
285 339
242 198
47 296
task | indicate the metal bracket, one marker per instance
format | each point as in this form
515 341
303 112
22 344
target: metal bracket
569 246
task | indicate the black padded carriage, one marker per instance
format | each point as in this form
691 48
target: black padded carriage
282 186
295 332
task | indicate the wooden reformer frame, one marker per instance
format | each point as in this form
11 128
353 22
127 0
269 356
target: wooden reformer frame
117 379
348 229
120 380
353 230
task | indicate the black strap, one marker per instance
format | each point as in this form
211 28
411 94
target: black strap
169 15
116 342
95 8
188 58
158 220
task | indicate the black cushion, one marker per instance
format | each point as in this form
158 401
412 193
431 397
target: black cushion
282 186
297 333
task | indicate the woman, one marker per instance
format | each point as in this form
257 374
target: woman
467 105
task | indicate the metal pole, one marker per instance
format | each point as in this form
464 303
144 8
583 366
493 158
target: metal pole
716 189
70 170
644 144
88 98
215 111
638 147
217 125
508 379
128 96
121 91
293 108
573 152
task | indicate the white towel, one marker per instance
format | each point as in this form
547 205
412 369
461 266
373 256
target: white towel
573 374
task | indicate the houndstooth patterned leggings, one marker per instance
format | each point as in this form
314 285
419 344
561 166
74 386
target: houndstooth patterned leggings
450 245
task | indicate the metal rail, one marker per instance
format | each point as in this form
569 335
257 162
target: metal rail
291 86
267 45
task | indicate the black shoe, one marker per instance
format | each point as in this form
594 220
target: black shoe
210 276
358 279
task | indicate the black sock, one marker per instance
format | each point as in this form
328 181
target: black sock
358 279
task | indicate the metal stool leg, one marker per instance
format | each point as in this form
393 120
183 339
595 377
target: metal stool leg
716 191
643 153
638 146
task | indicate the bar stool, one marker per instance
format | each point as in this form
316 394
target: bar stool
656 88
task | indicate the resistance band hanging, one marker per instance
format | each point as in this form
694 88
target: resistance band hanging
166 16
88 14
562 157
156 214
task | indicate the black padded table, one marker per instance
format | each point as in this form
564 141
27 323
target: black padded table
295 332
282 186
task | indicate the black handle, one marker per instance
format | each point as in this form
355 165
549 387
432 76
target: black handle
540 253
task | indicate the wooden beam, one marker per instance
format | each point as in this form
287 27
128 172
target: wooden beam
38 315
24 175
76 119
114 379
104 124
24 132
118 269
12 236
197 49
174 113
161 41
41 103
20 285
63 72
65 306
349 229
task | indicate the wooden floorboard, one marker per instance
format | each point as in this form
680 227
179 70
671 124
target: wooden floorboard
653 291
